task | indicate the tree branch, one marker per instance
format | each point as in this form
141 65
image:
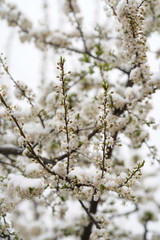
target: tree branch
13 150
78 25
71 49
87 230
89 215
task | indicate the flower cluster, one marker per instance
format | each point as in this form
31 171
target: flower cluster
25 187
131 17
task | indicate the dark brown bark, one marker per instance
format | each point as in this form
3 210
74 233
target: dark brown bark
87 230
94 204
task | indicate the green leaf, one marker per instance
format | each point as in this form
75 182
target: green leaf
80 143
99 50
105 85
29 149
64 186
102 187
133 197
54 144
15 238
63 199
148 216
85 58
31 189
106 67
140 165
91 70
62 60
77 116
138 133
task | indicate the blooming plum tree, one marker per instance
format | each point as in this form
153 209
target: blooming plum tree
76 161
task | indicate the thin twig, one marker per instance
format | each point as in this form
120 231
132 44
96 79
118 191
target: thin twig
141 3
22 91
65 105
78 25
24 136
72 49
151 152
